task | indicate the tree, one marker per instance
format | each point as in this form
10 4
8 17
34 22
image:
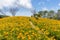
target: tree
2 12
33 11
55 16
13 10
40 13
51 14
58 14
45 13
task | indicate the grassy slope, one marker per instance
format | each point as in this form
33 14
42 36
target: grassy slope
21 28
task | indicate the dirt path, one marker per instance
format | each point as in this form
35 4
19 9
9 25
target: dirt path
33 26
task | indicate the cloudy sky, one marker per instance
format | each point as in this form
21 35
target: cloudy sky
26 5
47 4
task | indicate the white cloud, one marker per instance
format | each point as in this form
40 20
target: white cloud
9 3
25 3
44 8
59 4
5 3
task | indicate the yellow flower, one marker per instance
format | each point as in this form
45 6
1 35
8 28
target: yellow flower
21 27
23 37
46 33
36 28
18 36
26 33
6 33
20 33
33 33
29 37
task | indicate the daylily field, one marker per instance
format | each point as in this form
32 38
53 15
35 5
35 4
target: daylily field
29 28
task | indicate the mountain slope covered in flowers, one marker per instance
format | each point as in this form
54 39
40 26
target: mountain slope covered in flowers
29 28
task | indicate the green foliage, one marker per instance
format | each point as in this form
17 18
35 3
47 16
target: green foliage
2 16
48 14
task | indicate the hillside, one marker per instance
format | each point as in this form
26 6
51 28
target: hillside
29 28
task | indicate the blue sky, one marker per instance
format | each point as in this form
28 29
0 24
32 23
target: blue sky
38 5
46 4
